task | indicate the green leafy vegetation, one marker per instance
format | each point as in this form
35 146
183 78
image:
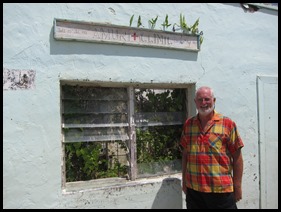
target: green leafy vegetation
105 159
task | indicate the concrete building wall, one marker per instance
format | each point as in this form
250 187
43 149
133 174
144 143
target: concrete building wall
237 46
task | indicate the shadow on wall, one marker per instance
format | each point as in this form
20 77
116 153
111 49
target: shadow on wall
169 195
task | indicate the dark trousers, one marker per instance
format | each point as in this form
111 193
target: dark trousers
201 200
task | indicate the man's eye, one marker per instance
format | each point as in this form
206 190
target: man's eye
206 99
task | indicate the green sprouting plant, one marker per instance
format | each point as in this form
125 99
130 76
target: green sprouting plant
152 22
131 20
194 27
139 21
201 38
166 23
183 24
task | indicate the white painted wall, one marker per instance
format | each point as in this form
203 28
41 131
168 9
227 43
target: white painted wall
237 47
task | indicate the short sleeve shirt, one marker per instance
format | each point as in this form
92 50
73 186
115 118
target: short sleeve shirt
209 161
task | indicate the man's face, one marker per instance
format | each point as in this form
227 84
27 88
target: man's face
204 101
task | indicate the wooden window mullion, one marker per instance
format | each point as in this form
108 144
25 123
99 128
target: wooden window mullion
132 136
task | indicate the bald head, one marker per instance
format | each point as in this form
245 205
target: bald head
204 89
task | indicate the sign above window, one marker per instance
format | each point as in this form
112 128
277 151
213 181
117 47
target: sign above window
108 33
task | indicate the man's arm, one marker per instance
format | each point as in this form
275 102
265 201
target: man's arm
237 174
184 162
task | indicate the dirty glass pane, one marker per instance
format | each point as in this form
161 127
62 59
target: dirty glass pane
94 114
95 129
96 118
96 134
93 93
159 168
159 119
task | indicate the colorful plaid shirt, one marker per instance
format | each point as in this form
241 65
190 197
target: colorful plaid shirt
209 161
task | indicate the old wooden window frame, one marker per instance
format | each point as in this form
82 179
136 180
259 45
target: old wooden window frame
189 88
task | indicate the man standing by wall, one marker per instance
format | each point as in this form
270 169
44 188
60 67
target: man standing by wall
212 163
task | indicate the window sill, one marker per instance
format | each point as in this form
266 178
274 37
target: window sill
103 184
